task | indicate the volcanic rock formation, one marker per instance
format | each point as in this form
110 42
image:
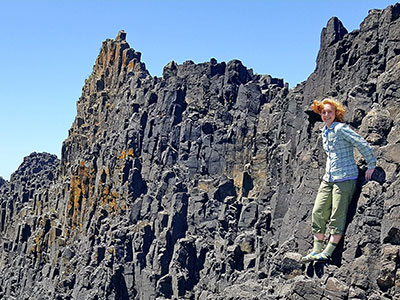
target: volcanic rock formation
200 184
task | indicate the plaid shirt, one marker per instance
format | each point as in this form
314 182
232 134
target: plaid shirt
338 141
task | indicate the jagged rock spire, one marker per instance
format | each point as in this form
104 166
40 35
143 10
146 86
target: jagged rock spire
115 63
121 36
332 33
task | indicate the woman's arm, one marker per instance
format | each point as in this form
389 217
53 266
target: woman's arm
362 145
368 173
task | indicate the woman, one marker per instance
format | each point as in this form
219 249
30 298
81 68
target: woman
339 182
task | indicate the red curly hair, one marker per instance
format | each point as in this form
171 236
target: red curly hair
318 106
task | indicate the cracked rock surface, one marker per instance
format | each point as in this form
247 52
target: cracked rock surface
200 184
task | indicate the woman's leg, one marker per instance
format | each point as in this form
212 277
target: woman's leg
322 209
320 216
341 198
335 238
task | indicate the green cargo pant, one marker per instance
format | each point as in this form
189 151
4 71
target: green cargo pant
331 205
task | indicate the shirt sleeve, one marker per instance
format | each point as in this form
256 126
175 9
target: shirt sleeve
361 144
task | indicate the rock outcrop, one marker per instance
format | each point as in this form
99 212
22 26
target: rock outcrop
200 184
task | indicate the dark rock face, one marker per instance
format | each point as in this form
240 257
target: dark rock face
200 184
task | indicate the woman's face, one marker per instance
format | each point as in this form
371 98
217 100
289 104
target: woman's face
328 114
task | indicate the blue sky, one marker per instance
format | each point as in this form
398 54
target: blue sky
48 49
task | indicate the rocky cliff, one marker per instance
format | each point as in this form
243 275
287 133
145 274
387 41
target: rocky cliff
199 185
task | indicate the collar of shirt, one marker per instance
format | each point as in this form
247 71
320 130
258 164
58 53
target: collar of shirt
325 128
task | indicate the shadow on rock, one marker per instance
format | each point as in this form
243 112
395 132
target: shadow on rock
316 269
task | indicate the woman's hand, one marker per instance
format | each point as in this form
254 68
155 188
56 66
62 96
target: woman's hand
368 174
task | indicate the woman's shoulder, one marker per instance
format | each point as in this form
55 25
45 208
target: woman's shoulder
339 126
343 129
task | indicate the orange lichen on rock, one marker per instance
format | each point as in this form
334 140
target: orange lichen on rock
122 156
111 199
106 190
131 64
37 246
126 153
80 188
